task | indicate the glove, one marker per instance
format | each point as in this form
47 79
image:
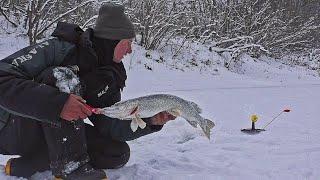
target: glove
64 78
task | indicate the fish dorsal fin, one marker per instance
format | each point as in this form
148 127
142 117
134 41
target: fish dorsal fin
196 107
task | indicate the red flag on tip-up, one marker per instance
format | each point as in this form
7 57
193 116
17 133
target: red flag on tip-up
286 110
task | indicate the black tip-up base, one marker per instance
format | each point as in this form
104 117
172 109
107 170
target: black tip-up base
252 131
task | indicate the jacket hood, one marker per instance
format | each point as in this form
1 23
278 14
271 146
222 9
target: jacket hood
101 49
74 34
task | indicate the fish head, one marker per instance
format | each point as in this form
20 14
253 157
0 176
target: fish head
122 111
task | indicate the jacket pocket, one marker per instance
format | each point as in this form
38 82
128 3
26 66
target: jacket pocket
101 89
4 117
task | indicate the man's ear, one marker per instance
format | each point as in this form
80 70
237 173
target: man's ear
121 50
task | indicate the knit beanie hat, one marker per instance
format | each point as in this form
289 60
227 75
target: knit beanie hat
113 23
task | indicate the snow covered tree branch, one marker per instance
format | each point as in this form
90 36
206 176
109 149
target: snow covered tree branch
254 27
38 16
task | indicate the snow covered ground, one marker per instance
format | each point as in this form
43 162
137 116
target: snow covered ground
289 149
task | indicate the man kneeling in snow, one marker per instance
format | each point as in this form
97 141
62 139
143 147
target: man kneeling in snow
45 126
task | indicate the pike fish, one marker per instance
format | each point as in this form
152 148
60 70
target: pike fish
148 106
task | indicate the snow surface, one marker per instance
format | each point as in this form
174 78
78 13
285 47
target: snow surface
289 149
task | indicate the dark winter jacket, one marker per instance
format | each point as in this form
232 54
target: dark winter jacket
22 95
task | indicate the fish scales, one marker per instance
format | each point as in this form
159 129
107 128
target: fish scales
148 106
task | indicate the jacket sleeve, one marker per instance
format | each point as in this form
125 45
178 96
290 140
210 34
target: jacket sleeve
20 94
120 129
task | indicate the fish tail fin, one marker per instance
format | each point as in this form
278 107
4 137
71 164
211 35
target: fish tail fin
206 126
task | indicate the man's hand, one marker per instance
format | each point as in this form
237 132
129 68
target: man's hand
161 118
75 109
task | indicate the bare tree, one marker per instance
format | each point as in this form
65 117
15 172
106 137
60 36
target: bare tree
40 16
236 26
37 16
6 8
154 20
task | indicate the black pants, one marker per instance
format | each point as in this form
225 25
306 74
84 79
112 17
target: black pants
26 137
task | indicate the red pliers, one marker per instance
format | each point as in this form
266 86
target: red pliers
92 109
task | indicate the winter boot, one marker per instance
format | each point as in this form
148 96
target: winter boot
85 172
67 149
26 166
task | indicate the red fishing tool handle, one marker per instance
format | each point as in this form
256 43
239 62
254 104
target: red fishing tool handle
92 109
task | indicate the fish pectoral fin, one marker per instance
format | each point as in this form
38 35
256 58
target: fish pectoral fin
174 112
140 122
134 125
